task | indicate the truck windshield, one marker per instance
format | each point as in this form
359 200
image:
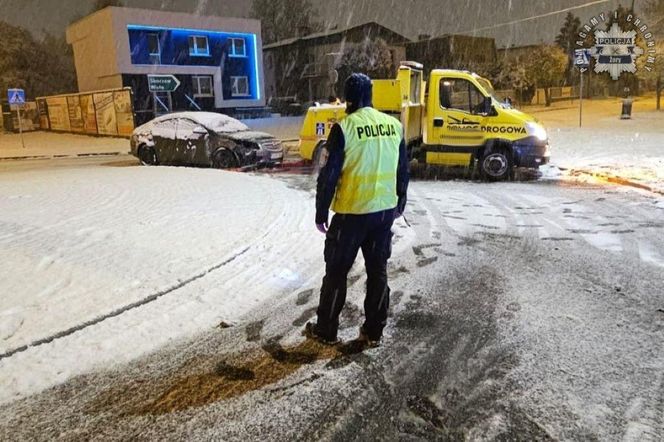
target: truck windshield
486 85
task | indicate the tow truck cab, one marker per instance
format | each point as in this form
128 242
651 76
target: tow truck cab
466 122
462 124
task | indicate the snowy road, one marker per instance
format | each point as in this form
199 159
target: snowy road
519 310
90 253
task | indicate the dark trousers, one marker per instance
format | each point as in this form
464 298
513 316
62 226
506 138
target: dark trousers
346 235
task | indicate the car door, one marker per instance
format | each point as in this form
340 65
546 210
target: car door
163 134
191 144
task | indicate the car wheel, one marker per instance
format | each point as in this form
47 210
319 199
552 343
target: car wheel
496 165
224 159
148 156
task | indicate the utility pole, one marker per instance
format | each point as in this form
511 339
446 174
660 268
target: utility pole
581 98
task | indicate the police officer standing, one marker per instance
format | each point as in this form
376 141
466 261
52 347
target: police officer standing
365 179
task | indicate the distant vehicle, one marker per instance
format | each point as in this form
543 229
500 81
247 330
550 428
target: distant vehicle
203 139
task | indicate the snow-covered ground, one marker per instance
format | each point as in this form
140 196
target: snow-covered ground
606 146
519 311
47 144
104 264
77 245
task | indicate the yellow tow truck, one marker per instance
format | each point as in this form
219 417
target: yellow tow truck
463 123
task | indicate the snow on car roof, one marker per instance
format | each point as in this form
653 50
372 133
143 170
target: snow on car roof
211 120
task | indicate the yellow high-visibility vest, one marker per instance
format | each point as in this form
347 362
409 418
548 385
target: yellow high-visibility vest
371 157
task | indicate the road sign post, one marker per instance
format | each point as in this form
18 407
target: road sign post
581 61
581 100
17 98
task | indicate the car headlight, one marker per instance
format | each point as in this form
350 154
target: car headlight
536 131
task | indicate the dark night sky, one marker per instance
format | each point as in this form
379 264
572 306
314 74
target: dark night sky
409 17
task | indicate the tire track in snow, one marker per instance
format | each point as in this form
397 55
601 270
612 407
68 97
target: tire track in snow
121 310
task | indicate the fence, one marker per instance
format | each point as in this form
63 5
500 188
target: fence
29 117
557 93
107 112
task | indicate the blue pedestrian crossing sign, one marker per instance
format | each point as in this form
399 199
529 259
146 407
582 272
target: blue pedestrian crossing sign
582 58
16 96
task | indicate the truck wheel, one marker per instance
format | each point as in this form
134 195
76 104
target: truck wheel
147 156
496 165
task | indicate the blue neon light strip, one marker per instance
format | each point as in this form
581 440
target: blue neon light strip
200 31
254 60
256 78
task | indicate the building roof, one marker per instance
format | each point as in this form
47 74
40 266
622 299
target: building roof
171 19
333 32
445 37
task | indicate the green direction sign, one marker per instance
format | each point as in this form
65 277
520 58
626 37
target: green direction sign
162 83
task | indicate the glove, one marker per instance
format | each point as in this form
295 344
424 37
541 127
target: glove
322 228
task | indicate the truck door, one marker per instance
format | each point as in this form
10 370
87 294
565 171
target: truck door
456 116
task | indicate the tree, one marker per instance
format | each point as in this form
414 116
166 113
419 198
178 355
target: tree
58 64
101 4
512 74
654 9
566 39
282 19
545 67
40 67
371 57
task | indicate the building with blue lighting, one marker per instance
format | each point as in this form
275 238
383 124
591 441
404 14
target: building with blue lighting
216 60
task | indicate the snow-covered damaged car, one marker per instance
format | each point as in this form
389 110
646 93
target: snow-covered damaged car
203 139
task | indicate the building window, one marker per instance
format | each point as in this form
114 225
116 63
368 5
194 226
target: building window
238 47
198 45
153 48
239 86
203 86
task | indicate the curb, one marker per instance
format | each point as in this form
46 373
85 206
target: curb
49 157
615 180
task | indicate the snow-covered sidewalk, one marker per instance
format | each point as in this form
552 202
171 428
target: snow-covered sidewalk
623 151
42 144
45 144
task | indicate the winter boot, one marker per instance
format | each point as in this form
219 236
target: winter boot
311 332
367 341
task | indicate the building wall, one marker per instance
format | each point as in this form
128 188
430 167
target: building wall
515 52
301 68
95 58
454 52
174 51
110 49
